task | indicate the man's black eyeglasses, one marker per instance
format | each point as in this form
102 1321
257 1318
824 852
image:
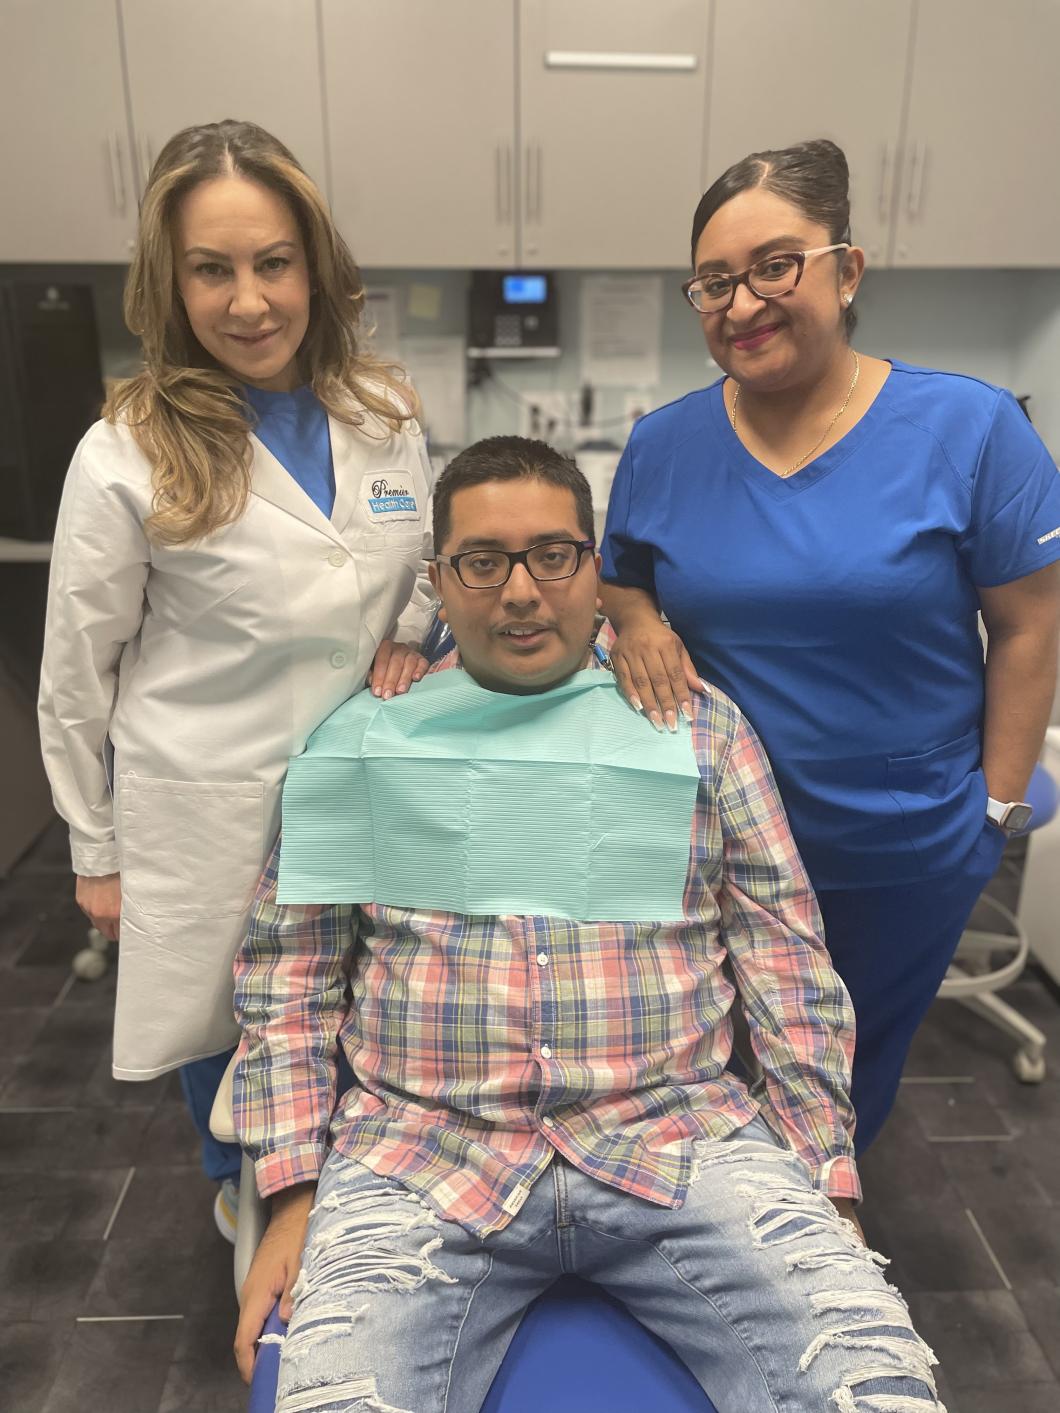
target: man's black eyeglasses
490 568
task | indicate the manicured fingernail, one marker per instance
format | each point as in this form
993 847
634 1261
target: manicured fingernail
671 720
636 704
656 720
686 711
401 688
387 695
703 686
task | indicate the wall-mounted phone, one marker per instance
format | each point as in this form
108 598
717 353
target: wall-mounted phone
513 314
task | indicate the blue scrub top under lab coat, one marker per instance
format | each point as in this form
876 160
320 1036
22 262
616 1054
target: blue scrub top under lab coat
294 427
838 607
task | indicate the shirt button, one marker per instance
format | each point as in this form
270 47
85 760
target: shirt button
548 1122
542 959
546 1052
336 558
339 659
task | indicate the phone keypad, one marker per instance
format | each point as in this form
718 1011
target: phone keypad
508 332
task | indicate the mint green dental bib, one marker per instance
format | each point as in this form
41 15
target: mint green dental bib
566 804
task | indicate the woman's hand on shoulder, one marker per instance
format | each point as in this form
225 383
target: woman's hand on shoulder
654 671
273 1271
395 668
100 901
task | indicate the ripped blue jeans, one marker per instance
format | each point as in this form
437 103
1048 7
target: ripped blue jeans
756 1283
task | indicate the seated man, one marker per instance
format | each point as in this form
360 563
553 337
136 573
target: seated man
539 1023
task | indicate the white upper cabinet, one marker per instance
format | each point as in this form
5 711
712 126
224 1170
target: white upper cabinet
572 134
783 73
979 173
198 61
421 125
612 107
65 174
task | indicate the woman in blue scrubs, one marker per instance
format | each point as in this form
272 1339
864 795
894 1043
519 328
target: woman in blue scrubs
821 530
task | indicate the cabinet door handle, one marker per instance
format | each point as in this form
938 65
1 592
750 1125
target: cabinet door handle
539 199
916 180
533 182
117 173
502 169
595 59
885 182
147 160
498 204
507 184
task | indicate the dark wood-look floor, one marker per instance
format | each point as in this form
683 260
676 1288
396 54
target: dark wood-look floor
116 1290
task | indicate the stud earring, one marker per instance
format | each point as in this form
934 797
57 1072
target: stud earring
848 299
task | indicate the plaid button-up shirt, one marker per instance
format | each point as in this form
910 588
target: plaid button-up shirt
481 1046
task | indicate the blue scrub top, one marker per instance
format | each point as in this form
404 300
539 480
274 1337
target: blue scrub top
838 607
294 427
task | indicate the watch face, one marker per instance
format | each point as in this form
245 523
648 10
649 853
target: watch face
1016 819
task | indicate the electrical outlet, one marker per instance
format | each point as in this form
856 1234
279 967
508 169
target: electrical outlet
636 404
550 416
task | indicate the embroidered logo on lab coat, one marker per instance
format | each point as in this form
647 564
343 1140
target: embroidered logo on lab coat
389 494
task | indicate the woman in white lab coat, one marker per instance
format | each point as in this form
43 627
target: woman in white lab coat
212 600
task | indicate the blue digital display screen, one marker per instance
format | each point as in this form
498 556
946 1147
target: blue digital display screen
525 289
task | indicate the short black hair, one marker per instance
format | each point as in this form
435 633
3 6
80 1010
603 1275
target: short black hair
510 459
813 176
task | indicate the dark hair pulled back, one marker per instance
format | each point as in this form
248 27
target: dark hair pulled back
813 176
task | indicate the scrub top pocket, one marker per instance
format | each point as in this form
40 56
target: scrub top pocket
936 790
189 848
931 772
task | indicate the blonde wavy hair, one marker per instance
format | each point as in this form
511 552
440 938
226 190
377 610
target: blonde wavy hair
185 411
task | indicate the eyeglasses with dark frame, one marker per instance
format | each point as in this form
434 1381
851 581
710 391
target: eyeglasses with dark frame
492 568
779 273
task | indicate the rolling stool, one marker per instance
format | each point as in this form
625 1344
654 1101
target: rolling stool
577 1350
90 964
974 977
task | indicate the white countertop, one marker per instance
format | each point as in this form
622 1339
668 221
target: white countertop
25 551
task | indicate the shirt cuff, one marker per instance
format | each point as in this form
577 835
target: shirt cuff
94 859
838 1178
302 1163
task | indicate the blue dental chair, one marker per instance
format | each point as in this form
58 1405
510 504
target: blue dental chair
577 1350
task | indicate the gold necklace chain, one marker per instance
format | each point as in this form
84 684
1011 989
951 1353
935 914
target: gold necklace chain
846 403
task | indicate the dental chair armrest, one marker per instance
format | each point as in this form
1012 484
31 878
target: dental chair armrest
253 1215
222 1115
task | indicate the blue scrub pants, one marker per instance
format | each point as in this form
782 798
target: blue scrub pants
891 946
200 1081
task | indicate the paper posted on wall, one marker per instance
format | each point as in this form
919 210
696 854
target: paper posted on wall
621 333
381 323
438 369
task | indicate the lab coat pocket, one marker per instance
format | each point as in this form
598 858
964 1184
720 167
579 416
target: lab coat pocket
395 539
190 849
391 563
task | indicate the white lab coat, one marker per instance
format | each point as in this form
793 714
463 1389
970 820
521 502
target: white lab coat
207 665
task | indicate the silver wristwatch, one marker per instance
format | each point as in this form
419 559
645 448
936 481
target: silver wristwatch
1011 818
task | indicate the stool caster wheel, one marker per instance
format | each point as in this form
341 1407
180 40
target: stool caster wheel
90 964
1028 1067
